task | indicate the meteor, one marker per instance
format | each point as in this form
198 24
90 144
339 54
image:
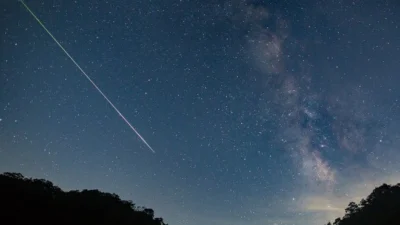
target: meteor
87 76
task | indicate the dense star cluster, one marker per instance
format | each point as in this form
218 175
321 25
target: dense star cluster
260 112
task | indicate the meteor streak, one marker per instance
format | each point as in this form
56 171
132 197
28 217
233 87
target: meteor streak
87 76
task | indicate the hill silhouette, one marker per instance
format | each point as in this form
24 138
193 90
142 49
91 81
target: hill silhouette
381 207
38 201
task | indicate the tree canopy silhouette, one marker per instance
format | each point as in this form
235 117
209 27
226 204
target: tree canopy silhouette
38 201
381 207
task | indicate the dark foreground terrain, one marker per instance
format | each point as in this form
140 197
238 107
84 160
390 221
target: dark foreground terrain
381 207
37 201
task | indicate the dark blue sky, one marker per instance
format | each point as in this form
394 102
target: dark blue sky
260 112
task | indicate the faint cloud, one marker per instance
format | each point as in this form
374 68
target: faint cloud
266 48
244 13
350 137
354 121
321 203
265 42
331 204
249 14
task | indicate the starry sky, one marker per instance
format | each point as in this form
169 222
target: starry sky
260 112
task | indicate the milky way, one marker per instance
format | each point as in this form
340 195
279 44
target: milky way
261 112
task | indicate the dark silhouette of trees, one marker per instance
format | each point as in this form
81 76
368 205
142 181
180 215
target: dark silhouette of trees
25 201
381 207
37 201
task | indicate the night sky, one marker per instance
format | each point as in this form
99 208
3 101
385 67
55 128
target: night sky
260 112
